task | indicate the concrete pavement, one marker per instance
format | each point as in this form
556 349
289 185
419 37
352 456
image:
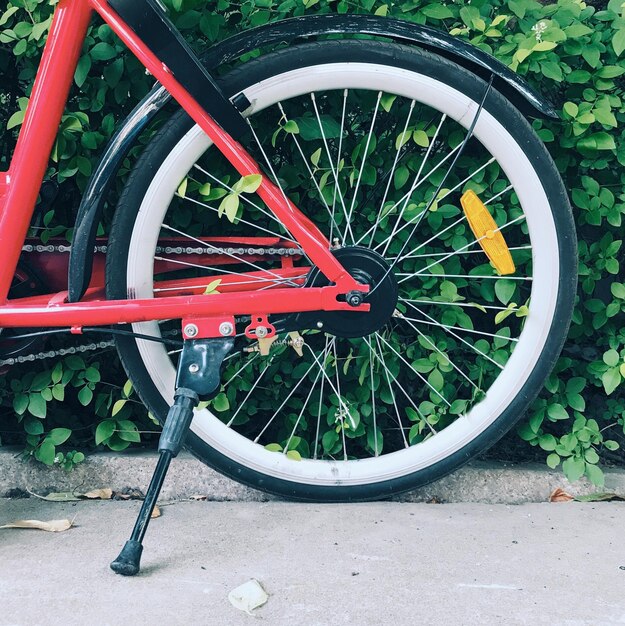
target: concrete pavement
363 564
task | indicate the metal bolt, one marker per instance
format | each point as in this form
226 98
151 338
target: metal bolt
225 329
191 330
194 368
354 298
261 332
319 324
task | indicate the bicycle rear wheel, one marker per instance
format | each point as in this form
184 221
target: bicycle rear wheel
367 139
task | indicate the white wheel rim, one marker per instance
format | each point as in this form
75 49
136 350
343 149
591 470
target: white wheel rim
520 364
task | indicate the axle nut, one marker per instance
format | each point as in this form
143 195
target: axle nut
355 298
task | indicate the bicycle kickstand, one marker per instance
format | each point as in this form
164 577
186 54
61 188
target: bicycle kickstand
198 378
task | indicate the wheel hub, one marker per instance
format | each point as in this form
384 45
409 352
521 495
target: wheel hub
368 268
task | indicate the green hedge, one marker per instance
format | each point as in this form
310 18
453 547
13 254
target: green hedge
570 50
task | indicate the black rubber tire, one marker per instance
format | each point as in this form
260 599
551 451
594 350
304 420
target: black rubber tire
360 51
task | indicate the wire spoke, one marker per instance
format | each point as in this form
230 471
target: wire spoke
364 161
295 388
470 305
310 172
242 197
465 330
419 375
464 341
326 350
334 171
249 393
469 245
426 338
414 186
243 221
391 175
388 375
342 414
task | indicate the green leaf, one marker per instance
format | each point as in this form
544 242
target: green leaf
294 455
611 358
118 406
611 379
16 119
573 468
291 127
59 435
182 188
104 431
557 412
421 138
127 431
33 426
248 184
20 403
229 205
315 156
102 51
553 460
274 447
127 390
618 41
37 405
211 288
595 475
329 440
58 392
221 402
46 452
436 11
85 395
82 70
504 290
547 442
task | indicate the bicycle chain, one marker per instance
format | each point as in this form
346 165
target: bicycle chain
90 347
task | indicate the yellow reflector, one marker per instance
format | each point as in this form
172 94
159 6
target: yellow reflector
487 234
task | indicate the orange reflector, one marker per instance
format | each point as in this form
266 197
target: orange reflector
487 234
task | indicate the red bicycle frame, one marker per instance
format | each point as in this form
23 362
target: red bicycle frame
19 189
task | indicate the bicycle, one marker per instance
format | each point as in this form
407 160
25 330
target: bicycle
374 349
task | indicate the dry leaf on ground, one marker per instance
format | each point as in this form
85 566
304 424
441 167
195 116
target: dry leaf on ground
127 493
156 513
59 496
99 494
53 526
601 497
248 596
559 495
